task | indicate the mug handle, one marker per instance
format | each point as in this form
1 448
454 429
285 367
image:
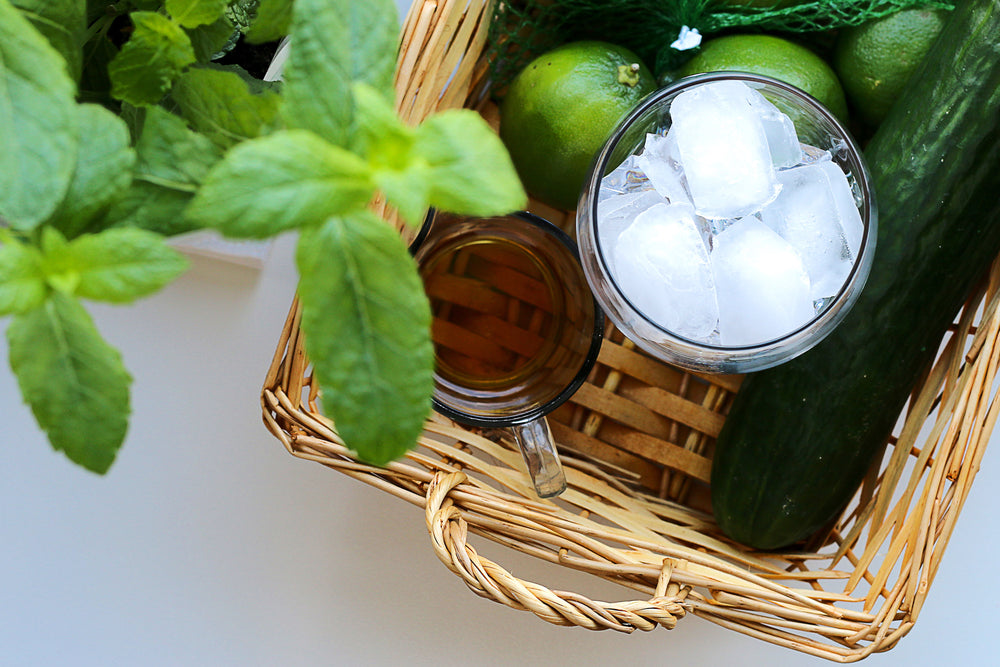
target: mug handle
534 439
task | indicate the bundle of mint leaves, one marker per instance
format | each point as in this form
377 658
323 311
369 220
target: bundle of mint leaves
120 127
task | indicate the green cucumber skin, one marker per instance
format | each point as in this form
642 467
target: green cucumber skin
800 437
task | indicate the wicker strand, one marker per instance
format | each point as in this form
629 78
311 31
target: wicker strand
448 537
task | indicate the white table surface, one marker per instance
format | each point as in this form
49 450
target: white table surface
208 544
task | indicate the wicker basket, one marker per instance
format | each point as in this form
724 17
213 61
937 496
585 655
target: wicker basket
637 443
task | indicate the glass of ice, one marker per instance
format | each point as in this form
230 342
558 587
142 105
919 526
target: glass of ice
728 224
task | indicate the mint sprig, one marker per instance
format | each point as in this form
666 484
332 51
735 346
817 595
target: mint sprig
153 57
364 314
74 381
88 193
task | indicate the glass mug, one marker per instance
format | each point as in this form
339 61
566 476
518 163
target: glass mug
821 133
516 329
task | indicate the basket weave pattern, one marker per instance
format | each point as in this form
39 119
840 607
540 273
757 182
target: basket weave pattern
636 441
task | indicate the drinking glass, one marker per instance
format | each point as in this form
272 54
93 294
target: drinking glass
516 329
817 128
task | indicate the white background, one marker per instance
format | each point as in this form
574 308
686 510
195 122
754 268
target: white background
208 544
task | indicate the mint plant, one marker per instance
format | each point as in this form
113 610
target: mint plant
120 127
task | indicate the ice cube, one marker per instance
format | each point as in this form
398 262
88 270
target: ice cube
712 227
723 149
807 214
618 211
761 285
847 205
813 154
782 139
624 178
661 265
659 160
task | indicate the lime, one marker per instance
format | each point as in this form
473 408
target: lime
561 108
875 59
774 57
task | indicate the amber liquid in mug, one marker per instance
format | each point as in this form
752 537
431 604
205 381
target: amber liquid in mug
510 324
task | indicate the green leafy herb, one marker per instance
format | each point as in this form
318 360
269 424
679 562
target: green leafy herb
102 173
470 172
335 45
274 17
63 22
153 57
172 163
38 123
452 161
242 13
172 155
75 383
221 105
194 13
366 321
22 278
178 142
212 39
95 83
286 180
116 265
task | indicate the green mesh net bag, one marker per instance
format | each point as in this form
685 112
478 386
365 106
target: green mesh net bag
523 29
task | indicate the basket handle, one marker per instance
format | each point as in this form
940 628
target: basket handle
448 530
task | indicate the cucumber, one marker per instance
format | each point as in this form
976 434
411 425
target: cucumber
800 437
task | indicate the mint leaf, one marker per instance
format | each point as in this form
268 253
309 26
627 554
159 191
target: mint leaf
242 13
117 265
135 118
288 179
388 144
95 84
335 44
172 163
379 134
63 22
408 191
152 207
58 277
75 383
453 160
366 35
150 60
193 13
38 132
220 105
366 322
211 39
22 280
274 18
103 169
172 155
470 170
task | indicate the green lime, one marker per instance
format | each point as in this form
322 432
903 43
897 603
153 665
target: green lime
875 59
561 108
774 57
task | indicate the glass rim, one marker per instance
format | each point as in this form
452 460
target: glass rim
596 339
855 159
